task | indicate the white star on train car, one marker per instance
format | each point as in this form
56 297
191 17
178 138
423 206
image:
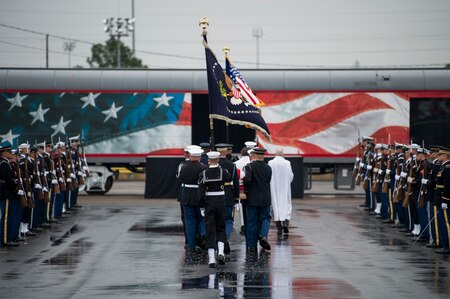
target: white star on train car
16 101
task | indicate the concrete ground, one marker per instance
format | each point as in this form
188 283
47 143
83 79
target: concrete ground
123 246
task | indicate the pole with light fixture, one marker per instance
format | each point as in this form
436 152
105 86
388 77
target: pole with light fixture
118 27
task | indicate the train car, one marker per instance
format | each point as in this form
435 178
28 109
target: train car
125 115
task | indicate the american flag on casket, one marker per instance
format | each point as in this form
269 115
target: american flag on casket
112 123
327 124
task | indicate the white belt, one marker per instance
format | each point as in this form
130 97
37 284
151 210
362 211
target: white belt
189 186
214 193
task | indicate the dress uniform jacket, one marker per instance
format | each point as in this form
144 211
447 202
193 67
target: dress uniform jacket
257 183
211 184
232 184
443 184
7 184
189 182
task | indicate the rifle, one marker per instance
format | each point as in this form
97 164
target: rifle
387 177
368 171
61 179
28 183
85 167
376 186
37 180
410 180
72 168
80 167
19 185
44 181
398 192
53 174
67 173
423 187
358 158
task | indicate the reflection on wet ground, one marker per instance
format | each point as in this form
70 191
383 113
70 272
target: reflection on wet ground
333 250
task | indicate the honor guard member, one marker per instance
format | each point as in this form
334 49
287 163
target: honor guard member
398 167
64 187
17 205
7 195
26 168
74 141
384 208
211 185
195 223
417 189
206 147
43 173
240 164
53 182
366 164
177 175
430 183
257 186
231 190
375 180
443 199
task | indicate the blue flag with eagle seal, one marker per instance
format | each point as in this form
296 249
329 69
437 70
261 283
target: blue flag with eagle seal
222 104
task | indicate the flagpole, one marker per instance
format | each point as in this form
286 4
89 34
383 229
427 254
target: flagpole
227 127
204 25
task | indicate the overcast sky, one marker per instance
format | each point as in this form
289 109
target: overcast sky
296 33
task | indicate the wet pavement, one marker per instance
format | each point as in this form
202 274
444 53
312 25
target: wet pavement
128 247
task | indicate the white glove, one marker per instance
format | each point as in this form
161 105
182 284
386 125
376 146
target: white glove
61 180
73 176
444 206
37 186
375 170
39 173
424 181
83 175
45 189
380 172
403 175
369 167
358 159
85 168
69 180
361 164
397 177
80 173
46 173
54 172
20 192
388 171
410 179
202 212
54 182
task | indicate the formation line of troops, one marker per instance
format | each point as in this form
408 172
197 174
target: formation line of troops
408 186
214 186
38 185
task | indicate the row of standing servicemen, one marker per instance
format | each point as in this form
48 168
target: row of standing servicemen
38 185
408 187
213 188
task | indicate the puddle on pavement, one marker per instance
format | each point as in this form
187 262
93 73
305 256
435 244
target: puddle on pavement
70 257
323 288
154 225
73 230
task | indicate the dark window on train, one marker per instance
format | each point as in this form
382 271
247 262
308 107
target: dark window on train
200 126
430 121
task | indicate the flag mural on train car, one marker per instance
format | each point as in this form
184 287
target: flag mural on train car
111 123
327 124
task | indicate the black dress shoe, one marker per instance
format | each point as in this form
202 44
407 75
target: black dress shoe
443 251
221 259
432 245
77 206
264 243
227 248
67 212
36 229
362 206
10 244
251 249
387 221
30 234
366 209
285 229
46 225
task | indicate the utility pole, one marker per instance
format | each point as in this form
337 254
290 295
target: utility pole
46 50
257 32
134 29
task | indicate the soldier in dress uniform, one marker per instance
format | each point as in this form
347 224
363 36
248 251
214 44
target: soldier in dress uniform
26 168
381 174
8 194
411 210
60 162
430 196
211 193
53 182
77 171
231 190
367 157
257 186
188 176
442 193
400 149
417 191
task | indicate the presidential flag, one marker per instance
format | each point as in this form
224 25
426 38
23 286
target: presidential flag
327 124
239 80
111 123
224 105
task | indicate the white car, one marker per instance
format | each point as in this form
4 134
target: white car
100 180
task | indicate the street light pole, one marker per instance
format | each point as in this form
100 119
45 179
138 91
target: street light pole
69 47
134 29
117 28
257 32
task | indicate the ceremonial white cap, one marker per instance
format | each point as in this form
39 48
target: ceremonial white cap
74 138
250 144
24 146
195 152
367 138
213 155
378 145
192 146
414 146
42 144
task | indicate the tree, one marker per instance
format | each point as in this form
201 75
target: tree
447 66
105 56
